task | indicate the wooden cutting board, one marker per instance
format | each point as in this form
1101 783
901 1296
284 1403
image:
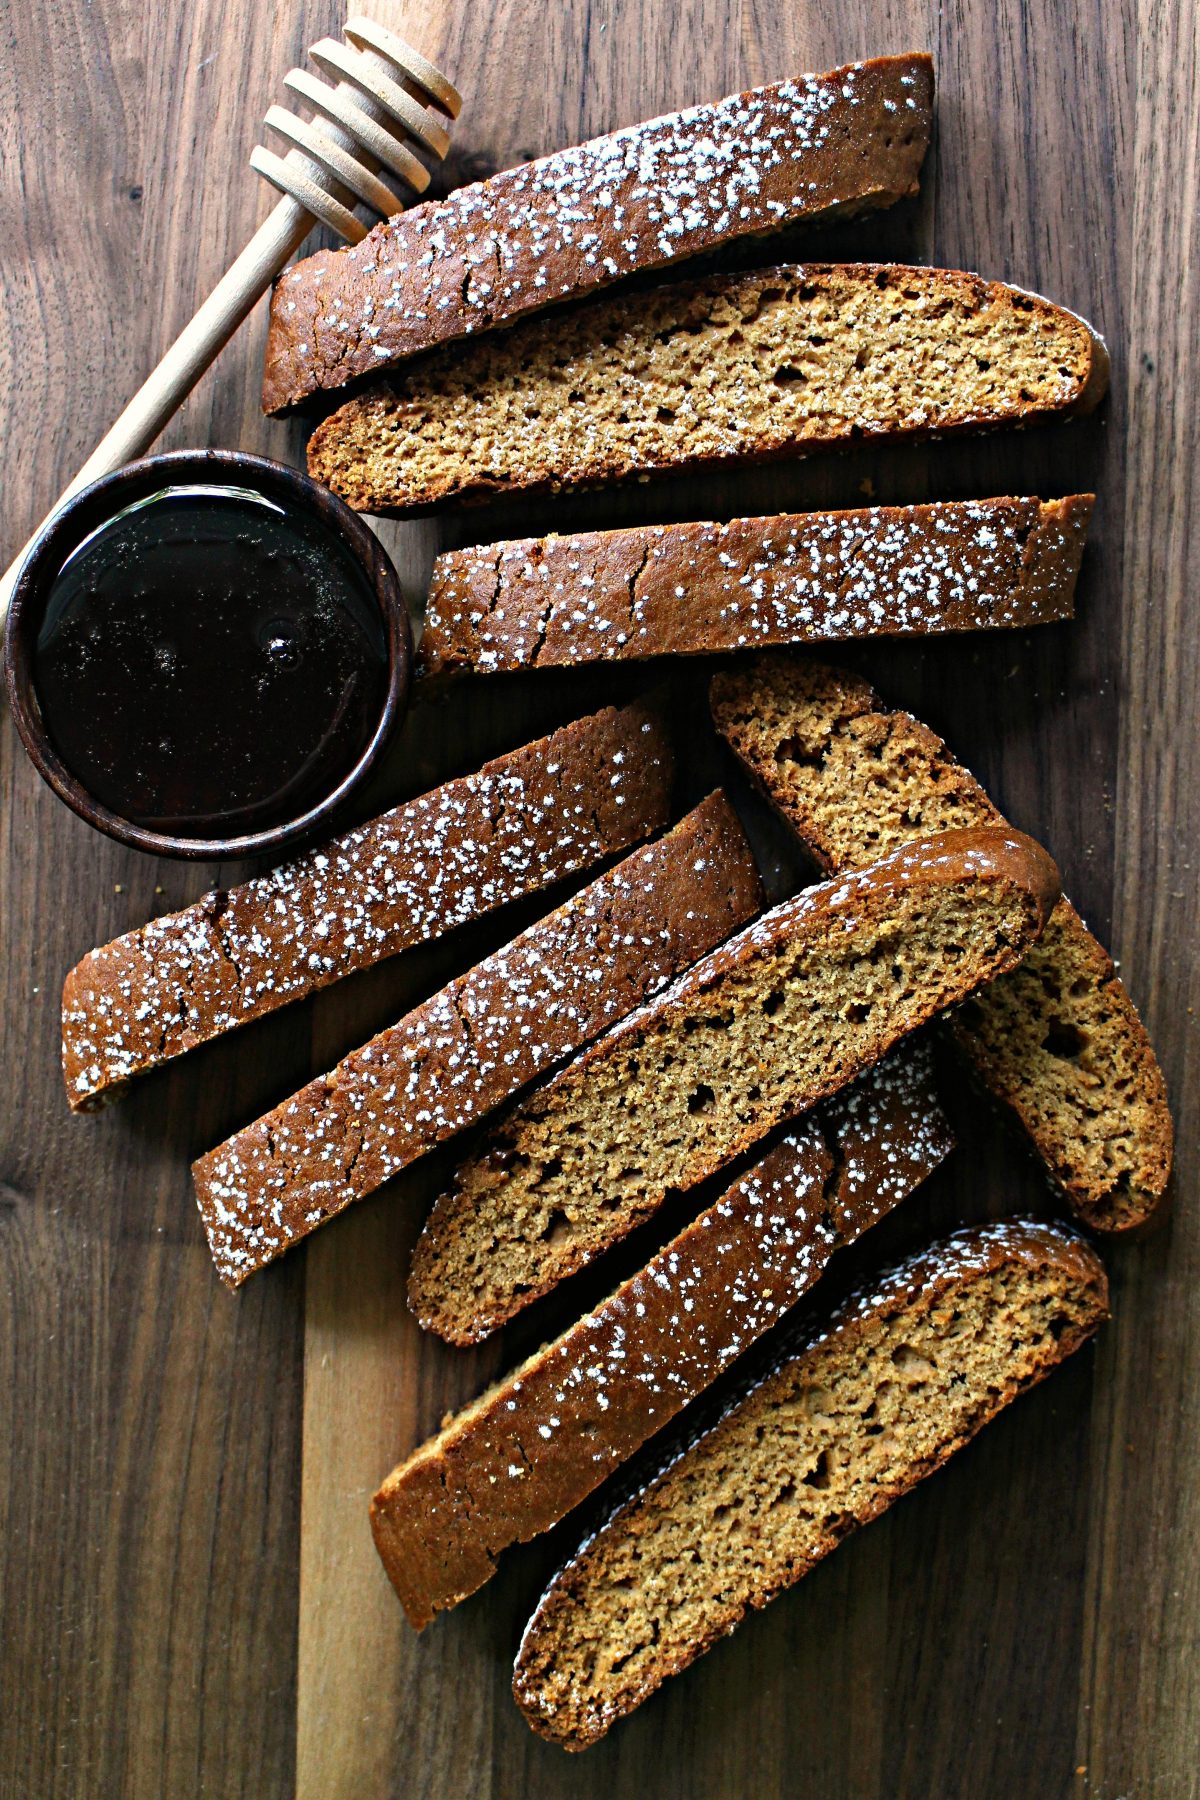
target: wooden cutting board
189 1600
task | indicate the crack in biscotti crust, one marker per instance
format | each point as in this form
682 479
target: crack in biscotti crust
901 1378
1058 1041
813 148
476 1042
778 362
785 1013
664 590
527 819
541 1440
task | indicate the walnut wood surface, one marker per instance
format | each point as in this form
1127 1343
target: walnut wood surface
189 1598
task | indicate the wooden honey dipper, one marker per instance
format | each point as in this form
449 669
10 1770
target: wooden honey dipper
380 96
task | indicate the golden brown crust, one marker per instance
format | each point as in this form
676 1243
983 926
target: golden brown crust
765 1026
776 362
795 578
899 1379
1057 1042
539 1442
476 1042
527 819
576 220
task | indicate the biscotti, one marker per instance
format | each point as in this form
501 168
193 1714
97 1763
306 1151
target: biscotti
809 149
1058 1041
782 1015
900 1378
476 1042
777 362
664 590
527 819
517 1460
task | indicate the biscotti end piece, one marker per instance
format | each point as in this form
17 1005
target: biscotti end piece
901 1377
810 149
476 1042
539 1442
702 589
1058 1042
782 1015
771 363
527 819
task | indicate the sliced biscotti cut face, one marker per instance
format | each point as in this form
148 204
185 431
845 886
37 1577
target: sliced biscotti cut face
898 1380
531 817
809 149
474 1044
1058 1042
699 589
778 362
787 1012
539 1442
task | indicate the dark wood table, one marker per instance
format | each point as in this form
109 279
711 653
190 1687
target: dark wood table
189 1600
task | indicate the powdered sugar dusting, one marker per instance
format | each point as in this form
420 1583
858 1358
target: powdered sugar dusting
525 820
957 856
577 1408
961 1260
807 578
477 1041
570 222
773 1016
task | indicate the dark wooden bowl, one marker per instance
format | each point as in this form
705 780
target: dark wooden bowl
92 508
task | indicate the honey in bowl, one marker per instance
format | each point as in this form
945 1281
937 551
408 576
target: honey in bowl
210 665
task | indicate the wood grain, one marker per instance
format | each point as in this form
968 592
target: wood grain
189 1600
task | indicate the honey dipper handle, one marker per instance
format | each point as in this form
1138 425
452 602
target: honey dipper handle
163 393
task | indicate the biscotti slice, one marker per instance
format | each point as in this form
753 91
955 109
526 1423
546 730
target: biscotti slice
666 590
810 149
777 362
787 1012
527 819
476 1042
517 1460
1058 1042
901 1377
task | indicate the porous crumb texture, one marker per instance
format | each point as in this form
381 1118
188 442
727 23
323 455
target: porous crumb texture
545 811
807 149
663 590
476 1042
787 1012
902 1377
778 362
1058 1041
540 1441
